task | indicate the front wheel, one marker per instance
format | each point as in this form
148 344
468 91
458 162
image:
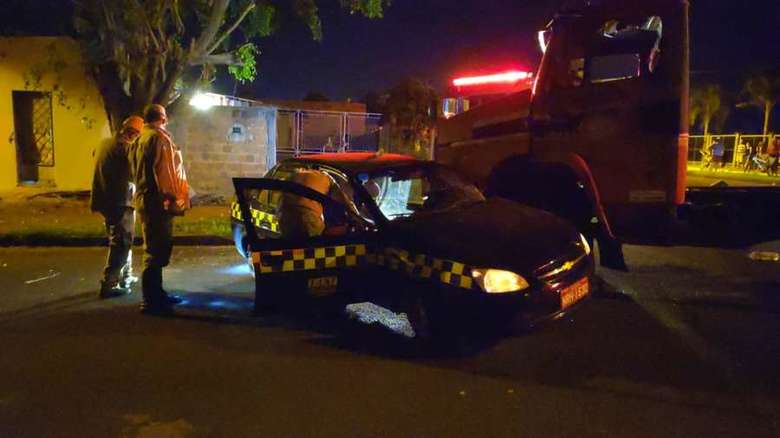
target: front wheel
428 318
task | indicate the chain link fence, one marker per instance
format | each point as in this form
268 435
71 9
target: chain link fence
735 145
307 132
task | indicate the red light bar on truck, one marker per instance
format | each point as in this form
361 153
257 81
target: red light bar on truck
509 77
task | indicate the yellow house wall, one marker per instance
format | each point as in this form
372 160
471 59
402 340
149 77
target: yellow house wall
79 120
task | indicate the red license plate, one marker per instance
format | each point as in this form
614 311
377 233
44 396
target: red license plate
574 293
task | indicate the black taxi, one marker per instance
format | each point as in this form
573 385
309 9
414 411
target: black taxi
407 235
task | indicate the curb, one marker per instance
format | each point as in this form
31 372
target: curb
48 241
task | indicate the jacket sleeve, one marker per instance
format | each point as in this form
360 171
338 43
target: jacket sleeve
163 165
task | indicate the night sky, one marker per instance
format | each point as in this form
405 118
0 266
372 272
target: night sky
434 39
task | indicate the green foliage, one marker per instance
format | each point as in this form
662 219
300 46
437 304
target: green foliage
145 51
412 103
410 109
706 106
308 12
369 8
246 69
762 88
260 22
763 91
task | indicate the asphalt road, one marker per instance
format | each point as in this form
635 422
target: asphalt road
685 345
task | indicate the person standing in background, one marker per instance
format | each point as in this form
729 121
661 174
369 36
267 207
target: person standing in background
162 193
112 197
718 151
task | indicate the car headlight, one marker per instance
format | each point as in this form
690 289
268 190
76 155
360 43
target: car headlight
497 281
585 245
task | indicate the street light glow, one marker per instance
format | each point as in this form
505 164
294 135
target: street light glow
202 101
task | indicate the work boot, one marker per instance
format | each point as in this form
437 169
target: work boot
155 301
173 299
112 290
128 281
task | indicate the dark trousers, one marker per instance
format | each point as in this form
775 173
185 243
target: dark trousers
120 227
157 226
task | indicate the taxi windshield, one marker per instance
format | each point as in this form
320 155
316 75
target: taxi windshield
413 190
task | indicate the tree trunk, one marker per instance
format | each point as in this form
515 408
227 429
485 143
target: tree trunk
117 105
767 112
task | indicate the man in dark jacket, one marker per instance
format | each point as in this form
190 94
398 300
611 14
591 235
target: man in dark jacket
112 194
156 220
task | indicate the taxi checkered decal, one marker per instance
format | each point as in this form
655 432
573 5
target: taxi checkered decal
341 256
347 256
424 266
260 219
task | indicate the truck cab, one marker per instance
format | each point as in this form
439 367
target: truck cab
601 136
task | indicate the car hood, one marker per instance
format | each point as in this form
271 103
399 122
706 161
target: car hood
496 233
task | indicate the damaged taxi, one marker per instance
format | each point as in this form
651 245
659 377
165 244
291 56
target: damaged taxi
407 235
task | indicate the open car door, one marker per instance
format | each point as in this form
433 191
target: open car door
307 245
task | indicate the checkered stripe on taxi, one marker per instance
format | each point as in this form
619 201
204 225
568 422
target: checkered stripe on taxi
349 256
426 267
309 259
260 219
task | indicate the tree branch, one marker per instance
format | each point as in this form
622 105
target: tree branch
231 28
227 58
218 11
166 91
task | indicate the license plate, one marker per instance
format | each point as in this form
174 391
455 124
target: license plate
321 286
574 293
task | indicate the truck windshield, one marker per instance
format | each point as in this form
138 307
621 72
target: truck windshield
413 190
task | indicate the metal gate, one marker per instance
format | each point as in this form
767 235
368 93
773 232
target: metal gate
33 128
306 132
43 134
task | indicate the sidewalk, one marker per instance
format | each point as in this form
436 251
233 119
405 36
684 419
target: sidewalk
64 219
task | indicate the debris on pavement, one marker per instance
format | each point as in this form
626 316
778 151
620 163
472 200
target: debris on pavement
52 273
370 313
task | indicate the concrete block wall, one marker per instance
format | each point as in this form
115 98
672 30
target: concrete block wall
224 142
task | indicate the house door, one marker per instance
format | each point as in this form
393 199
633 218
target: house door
34 135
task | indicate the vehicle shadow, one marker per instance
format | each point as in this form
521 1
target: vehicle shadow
335 328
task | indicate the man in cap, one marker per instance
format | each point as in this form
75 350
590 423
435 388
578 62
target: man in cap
112 194
153 204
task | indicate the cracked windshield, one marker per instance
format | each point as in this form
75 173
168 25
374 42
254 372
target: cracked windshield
405 192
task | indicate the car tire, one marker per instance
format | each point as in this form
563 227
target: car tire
429 321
